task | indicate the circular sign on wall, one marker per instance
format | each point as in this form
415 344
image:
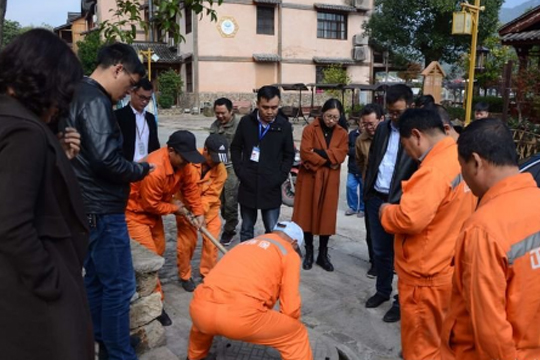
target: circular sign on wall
227 26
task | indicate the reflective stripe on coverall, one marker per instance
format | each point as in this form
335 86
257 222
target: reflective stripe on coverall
237 298
434 206
495 304
210 187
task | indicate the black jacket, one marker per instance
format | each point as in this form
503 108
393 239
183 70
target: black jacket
44 313
127 123
405 166
104 173
260 183
352 167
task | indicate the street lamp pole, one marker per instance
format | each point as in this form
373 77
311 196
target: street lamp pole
475 11
148 53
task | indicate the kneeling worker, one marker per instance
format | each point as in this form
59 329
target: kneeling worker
152 197
237 297
211 176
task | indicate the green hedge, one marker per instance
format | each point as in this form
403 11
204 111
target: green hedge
456 113
165 101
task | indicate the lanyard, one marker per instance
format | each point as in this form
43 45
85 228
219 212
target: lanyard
262 132
140 134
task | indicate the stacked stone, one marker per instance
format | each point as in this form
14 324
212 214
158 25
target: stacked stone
146 305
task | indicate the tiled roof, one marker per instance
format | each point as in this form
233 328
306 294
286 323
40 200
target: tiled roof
330 60
333 7
275 2
165 54
266 58
521 36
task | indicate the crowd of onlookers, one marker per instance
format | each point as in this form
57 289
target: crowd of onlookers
79 179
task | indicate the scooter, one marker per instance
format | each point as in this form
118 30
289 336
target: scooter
288 187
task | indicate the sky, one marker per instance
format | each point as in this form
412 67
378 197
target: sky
54 12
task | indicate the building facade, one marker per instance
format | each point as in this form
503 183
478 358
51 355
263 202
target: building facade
261 42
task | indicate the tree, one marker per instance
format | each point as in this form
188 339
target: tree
335 74
3 8
11 30
127 17
422 29
87 52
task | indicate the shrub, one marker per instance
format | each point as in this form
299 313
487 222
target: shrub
456 113
165 101
495 103
170 87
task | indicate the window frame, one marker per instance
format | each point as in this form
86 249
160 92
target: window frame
263 26
330 26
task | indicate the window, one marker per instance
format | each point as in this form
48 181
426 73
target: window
265 20
331 26
189 77
189 20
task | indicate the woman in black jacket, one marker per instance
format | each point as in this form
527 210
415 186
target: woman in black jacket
44 313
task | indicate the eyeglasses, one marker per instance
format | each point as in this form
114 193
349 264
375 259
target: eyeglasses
396 113
331 117
369 124
143 98
132 81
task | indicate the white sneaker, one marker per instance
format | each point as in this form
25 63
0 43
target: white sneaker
349 212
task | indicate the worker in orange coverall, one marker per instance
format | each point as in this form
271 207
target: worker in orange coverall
152 197
495 304
237 298
211 179
426 223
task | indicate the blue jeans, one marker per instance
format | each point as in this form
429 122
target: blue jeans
383 248
249 218
110 284
354 187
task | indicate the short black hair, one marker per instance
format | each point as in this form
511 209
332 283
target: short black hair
424 100
268 92
481 106
399 92
424 120
372 108
145 84
42 71
441 110
224 101
491 139
118 53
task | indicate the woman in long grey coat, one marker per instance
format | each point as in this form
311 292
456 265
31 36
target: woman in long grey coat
44 313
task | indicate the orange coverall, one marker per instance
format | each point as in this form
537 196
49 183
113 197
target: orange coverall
151 197
237 298
210 187
495 304
434 205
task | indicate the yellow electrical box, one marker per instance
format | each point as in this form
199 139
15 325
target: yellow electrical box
462 23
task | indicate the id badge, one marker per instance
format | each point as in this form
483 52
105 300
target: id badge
255 154
142 149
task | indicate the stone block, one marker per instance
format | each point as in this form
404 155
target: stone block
146 283
144 310
144 260
152 336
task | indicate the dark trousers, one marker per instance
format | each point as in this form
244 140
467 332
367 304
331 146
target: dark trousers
383 248
110 284
369 242
249 218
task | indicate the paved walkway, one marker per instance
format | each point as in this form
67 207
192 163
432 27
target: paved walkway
332 303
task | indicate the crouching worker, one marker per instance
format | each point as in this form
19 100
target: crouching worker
211 176
237 297
152 197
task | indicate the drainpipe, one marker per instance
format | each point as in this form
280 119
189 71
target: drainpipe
195 23
150 18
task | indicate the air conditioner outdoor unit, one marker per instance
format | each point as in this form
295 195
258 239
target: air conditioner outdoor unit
360 3
359 53
359 40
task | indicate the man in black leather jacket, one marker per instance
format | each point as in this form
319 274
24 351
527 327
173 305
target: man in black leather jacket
388 166
104 177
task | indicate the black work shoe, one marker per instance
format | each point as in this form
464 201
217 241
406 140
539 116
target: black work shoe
375 301
164 319
371 273
226 238
392 315
308 258
103 354
188 285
